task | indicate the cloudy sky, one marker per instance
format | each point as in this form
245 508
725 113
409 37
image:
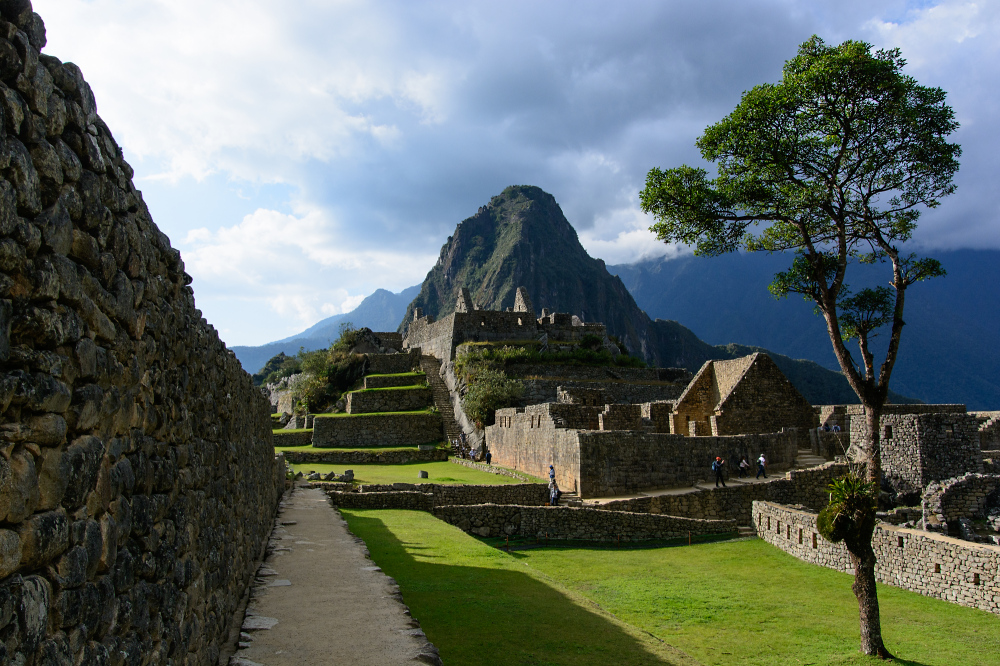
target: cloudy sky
303 153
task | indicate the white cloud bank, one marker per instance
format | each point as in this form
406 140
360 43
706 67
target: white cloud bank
386 123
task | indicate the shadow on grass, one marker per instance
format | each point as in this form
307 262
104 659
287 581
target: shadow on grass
493 613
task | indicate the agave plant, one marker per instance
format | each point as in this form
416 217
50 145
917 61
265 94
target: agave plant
850 516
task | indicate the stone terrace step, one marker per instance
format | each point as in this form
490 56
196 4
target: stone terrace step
442 396
805 458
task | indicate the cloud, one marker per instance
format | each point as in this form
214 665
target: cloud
387 123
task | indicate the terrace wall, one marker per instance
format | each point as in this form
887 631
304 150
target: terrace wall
377 430
388 400
931 564
494 520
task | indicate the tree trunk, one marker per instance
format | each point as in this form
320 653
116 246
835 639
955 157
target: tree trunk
863 559
862 553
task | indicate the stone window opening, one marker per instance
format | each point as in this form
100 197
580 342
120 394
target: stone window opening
975 579
800 536
899 541
937 568
778 530
788 531
769 523
814 540
888 432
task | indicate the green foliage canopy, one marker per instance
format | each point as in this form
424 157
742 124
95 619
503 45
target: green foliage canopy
834 162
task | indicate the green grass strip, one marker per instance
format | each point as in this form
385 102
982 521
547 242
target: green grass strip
732 602
293 431
480 605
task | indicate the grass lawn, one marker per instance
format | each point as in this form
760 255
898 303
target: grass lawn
437 472
734 602
479 605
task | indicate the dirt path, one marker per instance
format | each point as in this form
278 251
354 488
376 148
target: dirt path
318 599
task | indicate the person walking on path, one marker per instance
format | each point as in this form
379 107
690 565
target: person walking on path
489 456
744 467
761 467
717 467
552 474
553 493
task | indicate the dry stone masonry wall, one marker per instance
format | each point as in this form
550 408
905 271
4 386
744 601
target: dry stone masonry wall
560 522
389 400
137 475
931 564
377 430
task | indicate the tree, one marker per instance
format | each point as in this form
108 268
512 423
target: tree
835 163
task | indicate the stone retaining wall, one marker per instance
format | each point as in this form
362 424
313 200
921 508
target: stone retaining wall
389 381
931 564
537 391
400 499
528 494
377 430
362 457
735 502
301 438
390 364
388 400
138 481
561 522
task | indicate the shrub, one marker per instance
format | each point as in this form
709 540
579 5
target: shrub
487 391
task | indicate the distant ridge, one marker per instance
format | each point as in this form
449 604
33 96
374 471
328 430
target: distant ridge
950 350
522 238
381 311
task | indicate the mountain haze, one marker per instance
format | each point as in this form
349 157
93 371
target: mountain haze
522 238
380 312
949 350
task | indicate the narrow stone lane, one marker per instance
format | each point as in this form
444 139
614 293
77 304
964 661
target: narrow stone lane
318 599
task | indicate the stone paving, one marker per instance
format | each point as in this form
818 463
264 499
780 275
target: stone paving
319 599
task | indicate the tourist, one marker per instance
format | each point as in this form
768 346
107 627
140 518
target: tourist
553 493
489 456
761 466
717 467
826 427
744 467
836 428
552 474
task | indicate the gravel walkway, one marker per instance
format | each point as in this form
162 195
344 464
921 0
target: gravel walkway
319 599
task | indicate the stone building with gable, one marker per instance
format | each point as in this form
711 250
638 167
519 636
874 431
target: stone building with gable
741 396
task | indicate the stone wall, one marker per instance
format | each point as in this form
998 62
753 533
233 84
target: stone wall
989 431
400 499
388 400
808 488
423 496
390 381
568 373
362 457
293 438
920 444
965 496
759 400
138 481
559 522
377 430
931 564
598 463
537 391
390 364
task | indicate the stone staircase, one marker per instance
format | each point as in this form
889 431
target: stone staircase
442 397
804 458
746 531
569 499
